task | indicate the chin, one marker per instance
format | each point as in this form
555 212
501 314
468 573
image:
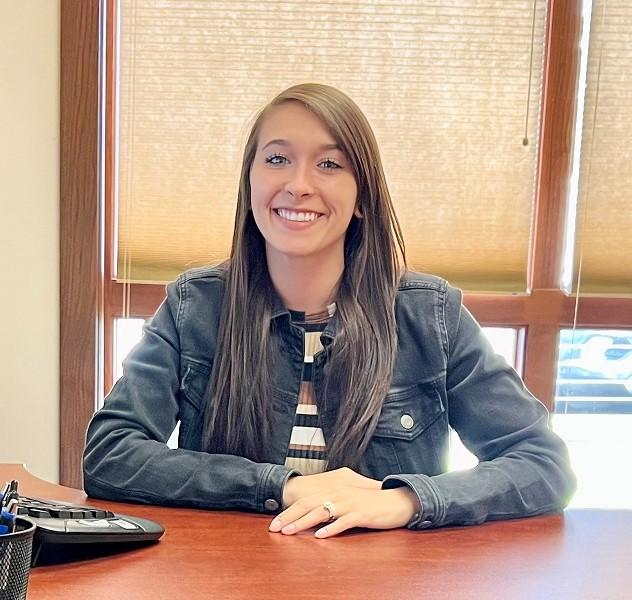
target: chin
293 250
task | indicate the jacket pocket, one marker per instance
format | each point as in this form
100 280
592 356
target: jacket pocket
194 383
409 412
283 412
193 386
412 433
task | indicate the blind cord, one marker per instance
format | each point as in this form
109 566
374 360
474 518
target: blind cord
525 139
127 254
584 215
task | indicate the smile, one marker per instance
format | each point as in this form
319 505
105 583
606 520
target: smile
293 215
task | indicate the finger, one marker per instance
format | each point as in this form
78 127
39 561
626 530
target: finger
289 515
314 517
283 519
276 524
338 526
293 513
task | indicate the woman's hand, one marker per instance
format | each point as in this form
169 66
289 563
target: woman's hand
357 501
302 486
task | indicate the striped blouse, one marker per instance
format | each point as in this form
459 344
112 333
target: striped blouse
307 452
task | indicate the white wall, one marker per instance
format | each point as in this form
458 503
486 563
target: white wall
29 234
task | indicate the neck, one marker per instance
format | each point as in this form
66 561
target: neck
305 284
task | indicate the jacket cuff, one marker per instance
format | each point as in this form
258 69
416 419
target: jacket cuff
270 493
433 506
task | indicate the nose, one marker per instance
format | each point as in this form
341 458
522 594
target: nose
299 182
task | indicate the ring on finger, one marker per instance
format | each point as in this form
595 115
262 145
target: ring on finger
329 507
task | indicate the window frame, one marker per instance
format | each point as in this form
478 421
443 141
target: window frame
91 299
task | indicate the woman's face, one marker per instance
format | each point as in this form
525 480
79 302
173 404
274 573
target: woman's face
303 192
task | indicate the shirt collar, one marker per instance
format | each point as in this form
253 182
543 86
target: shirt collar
279 310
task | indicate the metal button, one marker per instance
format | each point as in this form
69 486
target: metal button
271 504
407 422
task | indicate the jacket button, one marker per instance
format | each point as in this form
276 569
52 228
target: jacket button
271 504
407 422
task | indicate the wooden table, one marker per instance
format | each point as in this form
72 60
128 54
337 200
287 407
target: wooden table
583 554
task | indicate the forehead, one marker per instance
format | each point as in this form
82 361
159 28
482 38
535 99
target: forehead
293 122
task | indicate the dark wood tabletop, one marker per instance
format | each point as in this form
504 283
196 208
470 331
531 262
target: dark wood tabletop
582 554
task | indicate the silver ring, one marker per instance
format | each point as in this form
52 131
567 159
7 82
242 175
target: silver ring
329 507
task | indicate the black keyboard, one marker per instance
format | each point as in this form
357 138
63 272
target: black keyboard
64 531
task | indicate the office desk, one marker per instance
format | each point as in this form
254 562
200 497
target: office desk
208 554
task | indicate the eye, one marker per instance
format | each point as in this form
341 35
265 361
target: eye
276 159
330 163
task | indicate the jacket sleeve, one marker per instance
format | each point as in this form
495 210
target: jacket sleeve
126 456
523 466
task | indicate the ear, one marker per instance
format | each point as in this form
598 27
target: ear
357 212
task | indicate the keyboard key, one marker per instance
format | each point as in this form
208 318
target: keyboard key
38 512
39 508
59 513
124 524
100 523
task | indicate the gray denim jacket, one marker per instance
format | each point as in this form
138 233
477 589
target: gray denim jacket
446 375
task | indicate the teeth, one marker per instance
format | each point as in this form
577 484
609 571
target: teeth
292 215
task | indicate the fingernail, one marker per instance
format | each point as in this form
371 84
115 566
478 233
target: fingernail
276 525
289 528
321 533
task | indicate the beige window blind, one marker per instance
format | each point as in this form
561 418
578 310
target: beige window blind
451 88
604 239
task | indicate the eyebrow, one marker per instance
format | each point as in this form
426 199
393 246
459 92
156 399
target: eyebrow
281 142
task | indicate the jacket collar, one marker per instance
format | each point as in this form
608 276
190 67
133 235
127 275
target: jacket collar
279 310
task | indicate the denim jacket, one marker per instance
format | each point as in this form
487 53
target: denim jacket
446 375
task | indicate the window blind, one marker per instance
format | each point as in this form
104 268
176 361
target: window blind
452 90
603 247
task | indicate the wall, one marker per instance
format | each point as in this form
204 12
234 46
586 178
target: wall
29 234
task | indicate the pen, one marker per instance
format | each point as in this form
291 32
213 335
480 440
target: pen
5 491
7 517
7 523
10 492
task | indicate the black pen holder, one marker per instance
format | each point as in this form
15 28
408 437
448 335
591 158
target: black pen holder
15 560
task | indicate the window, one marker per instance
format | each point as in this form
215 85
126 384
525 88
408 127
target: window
505 342
603 250
127 333
453 93
593 413
504 233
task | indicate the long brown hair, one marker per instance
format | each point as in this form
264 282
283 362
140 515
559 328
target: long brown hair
360 361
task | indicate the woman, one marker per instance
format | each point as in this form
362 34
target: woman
312 377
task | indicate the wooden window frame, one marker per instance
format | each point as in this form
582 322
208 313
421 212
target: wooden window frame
91 299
